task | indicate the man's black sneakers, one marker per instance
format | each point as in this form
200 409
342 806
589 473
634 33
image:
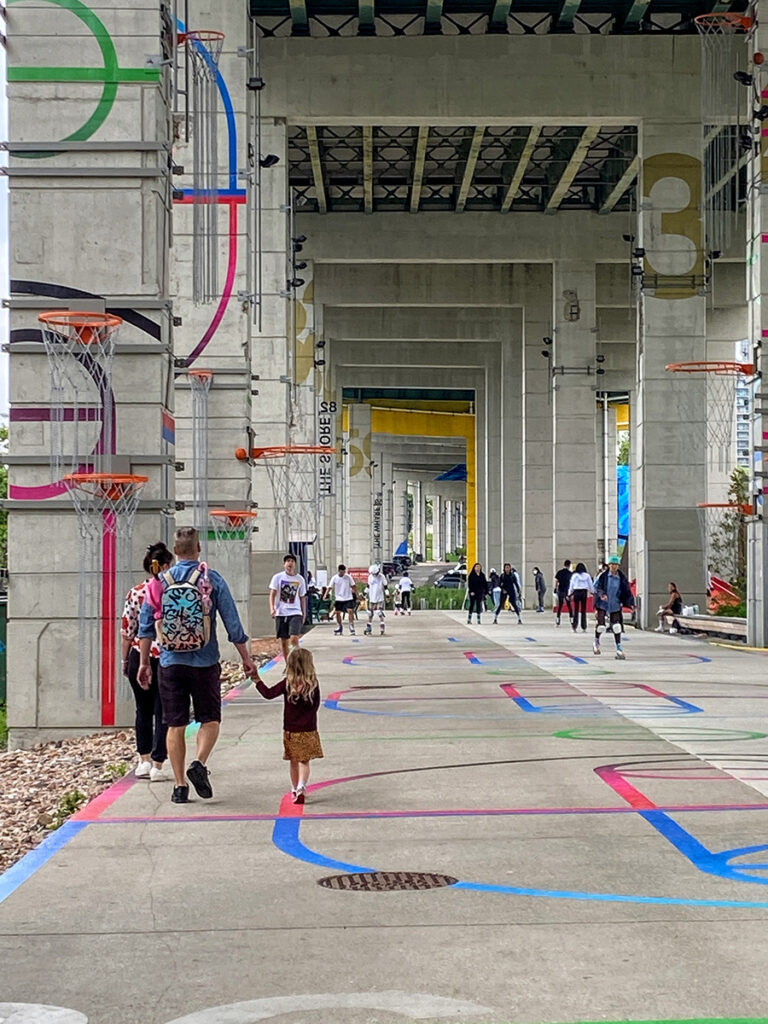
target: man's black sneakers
197 774
180 795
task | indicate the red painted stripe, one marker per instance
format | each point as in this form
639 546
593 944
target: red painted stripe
100 803
108 614
639 801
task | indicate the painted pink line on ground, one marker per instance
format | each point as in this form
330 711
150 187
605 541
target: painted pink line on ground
297 810
92 810
625 789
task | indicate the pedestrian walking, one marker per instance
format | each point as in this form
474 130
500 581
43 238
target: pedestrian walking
377 593
301 699
496 594
580 587
288 604
185 626
540 586
612 593
150 728
477 587
510 591
562 589
344 591
404 590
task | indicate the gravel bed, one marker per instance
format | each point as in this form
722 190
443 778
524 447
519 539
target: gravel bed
41 787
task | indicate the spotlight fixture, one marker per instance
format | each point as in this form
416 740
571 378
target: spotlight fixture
746 139
600 358
320 343
637 254
761 113
547 341
301 265
628 238
297 247
599 371
546 353
255 84
295 282
715 254
299 239
319 362
269 160
743 77
637 271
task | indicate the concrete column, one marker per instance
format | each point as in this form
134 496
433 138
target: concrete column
270 353
537 429
387 518
360 538
86 231
438 539
573 407
757 298
450 536
669 453
418 517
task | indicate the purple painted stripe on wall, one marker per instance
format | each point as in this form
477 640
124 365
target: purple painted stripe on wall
88 414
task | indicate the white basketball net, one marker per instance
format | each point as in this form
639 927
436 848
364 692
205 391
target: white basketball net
232 536
106 507
714 395
80 358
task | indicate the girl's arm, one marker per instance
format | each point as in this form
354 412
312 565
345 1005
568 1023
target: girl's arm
270 692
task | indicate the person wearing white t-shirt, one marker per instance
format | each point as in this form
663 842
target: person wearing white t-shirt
377 592
404 588
288 604
344 593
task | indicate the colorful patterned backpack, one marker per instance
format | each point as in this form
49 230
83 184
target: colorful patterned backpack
184 623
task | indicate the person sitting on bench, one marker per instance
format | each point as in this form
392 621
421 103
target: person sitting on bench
673 607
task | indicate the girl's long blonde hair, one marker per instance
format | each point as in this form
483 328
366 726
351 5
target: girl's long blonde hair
301 681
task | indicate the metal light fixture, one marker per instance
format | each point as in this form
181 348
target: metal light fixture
743 77
269 160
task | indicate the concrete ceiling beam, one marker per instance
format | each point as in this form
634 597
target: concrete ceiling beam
469 168
483 238
418 168
573 167
368 167
522 164
611 79
317 169
621 186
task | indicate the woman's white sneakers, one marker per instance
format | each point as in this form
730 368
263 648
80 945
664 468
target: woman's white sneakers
143 769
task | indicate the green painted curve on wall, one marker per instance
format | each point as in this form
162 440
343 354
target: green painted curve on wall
111 74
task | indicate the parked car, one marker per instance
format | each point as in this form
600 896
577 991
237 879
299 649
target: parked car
451 581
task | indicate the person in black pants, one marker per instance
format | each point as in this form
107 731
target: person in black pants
477 586
562 586
150 730
581 586
509 591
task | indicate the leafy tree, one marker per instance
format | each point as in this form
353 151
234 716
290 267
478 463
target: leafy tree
622 456
727 553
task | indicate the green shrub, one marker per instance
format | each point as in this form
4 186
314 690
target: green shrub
438 597
736 611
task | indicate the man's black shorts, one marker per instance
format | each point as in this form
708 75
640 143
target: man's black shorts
181 683
287 626
344 606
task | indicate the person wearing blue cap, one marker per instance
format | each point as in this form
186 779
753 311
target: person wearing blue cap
612 593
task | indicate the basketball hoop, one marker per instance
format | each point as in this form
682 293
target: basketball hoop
80 348
204 48
106 504
721 377
232 529
291 470
724 106
724 539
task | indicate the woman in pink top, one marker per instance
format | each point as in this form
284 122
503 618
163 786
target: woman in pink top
150 730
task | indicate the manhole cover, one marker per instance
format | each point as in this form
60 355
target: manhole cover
387 881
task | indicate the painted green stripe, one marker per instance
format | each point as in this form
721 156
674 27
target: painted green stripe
23 74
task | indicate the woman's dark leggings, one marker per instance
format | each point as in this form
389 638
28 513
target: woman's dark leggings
476 604
405 600
150 730
579 607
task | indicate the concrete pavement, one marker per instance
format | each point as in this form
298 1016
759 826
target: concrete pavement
584 839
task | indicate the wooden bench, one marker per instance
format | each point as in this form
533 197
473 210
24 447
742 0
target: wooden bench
713 625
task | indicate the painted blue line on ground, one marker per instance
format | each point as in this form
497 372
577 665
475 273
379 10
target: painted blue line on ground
285 836
35 859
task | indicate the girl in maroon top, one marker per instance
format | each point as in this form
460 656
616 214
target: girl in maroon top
301 696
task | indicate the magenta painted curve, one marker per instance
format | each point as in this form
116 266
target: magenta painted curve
228 284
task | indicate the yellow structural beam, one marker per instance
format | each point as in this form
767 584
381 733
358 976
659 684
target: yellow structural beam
404 423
